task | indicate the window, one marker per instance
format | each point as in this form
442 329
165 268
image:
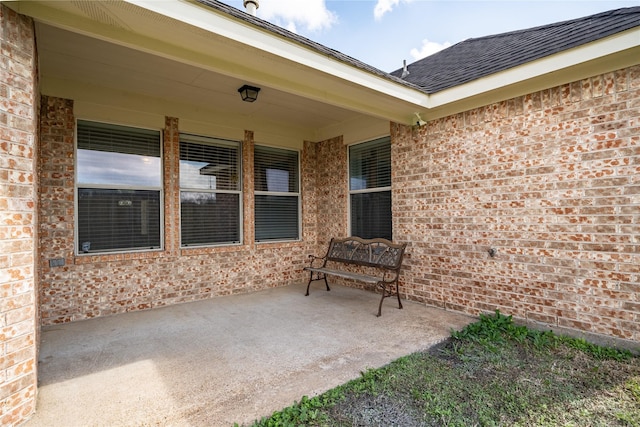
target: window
119 186
277 194
370 189
210 191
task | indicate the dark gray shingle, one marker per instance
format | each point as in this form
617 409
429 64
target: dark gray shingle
324 50
478 57
474 58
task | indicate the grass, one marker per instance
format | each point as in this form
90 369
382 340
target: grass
492 373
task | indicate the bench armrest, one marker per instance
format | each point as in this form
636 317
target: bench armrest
313 258
391 274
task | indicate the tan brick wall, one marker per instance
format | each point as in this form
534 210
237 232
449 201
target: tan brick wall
101 285
549 179
552 181
332 190
18 234
171 164
309 185
56 207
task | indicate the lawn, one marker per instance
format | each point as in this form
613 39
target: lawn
492 373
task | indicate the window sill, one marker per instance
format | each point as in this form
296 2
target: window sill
89 258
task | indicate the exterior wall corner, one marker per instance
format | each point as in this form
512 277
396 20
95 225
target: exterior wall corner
18 224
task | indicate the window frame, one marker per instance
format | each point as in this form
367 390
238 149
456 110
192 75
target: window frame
367 190
297 195
77 186
209 140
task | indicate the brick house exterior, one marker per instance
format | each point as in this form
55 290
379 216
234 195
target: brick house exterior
18 212
103 285
549 179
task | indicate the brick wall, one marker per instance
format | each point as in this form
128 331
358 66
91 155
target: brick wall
551 180
310 208
56 208
17 218
101 285
332 191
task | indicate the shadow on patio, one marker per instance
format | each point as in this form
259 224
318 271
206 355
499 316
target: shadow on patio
225 360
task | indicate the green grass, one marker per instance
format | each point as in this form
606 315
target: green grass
492 373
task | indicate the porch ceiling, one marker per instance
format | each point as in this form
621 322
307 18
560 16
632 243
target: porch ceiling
190 54
185 53
72 57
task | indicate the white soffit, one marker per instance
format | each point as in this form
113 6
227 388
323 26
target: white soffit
601 56
249 35
213 40
609 54
204 37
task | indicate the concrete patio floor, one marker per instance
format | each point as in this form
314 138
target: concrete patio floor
224 360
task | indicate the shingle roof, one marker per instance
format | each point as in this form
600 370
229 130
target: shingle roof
327 51
478 57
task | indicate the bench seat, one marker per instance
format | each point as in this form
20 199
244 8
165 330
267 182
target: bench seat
346 274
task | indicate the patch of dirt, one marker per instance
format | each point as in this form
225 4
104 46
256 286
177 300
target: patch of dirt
376 411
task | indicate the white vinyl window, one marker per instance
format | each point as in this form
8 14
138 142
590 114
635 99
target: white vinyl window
277 194
370 189
210 191
119 188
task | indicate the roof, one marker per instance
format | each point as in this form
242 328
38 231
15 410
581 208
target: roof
324 50
479 57
473 58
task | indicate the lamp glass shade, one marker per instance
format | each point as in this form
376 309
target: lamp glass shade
249 93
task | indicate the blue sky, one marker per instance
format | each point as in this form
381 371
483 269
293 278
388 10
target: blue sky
383 33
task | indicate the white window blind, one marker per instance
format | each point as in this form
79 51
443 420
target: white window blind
370 189
119 184
210 171
277 194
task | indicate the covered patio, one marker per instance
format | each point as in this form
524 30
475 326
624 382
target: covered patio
516 190
223 360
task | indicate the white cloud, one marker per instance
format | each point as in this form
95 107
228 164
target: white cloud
311 15
428 48
384 6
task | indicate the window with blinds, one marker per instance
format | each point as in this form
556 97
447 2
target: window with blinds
277 194
119 186
210 191
370 189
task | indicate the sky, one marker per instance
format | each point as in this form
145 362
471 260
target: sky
384 33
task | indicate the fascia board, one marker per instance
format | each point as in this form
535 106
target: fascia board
343 85
229 27
555 70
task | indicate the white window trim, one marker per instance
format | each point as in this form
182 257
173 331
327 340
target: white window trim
209 139
76 186
273 193
366 190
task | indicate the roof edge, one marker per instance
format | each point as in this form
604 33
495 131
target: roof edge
615 52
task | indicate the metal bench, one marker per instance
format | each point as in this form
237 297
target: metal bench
384 256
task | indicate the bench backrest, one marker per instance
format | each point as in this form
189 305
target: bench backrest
367 252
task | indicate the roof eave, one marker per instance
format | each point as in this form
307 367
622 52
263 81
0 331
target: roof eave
605 55
254 53
343 85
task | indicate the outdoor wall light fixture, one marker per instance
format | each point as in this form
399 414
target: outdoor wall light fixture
249 93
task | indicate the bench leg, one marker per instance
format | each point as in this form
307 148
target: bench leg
385 294
311 279
380 306
398 295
